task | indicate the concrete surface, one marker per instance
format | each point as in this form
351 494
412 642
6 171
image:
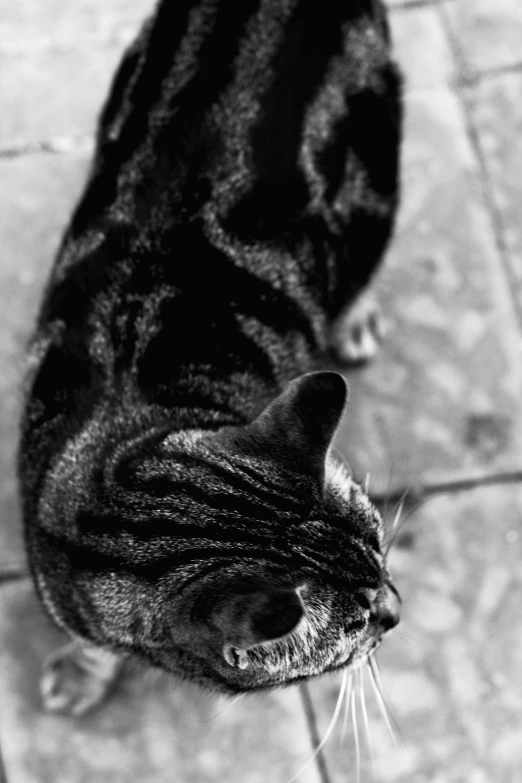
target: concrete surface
439 409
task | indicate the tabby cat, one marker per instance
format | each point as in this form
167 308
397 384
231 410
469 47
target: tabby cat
180 497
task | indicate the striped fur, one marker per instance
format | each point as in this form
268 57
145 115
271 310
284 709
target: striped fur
180 499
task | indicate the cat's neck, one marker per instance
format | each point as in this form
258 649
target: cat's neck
197 401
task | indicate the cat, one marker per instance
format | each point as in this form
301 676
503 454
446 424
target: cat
181 501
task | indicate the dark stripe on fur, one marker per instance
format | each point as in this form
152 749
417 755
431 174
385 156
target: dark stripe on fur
80 557
279 194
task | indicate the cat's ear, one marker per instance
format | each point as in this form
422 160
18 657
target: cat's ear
253 617
298 426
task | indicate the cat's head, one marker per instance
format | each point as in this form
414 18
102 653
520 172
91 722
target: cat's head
279 574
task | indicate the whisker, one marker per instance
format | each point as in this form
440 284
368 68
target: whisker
385 712
393 533
329 730
347 707
399 511
356 738
382 707
366 721
367 484
405 637
419 501
397 523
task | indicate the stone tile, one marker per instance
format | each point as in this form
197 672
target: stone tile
150 730
30 23
443 396
421 47
451 671
489 34
57 61
36 198
494 105
55 90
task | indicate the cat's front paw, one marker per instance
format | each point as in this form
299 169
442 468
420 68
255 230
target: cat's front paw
75 678
358 332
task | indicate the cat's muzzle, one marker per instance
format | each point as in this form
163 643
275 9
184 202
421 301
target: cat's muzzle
385 611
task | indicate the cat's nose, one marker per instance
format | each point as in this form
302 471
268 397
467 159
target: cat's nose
386 609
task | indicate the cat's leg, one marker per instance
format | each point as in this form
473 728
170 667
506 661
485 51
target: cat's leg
358 331
77 677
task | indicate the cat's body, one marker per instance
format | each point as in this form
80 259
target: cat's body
243 190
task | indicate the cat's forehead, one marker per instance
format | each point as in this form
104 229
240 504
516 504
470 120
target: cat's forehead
194 456
215 455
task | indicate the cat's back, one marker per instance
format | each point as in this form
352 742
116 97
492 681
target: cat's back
238 112
232 154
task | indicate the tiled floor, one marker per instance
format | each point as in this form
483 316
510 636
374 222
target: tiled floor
439 409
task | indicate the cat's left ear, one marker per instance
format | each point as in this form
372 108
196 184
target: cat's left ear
248 618
298 426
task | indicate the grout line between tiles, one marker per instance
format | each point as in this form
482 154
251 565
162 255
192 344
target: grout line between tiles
13 574
408 5
473 75
416 493
55 145
311 721
495 213
3 776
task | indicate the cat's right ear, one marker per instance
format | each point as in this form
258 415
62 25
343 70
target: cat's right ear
298 427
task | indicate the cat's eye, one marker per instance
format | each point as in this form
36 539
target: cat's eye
363 600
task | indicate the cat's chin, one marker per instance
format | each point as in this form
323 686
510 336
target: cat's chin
352 661
251 678
253 685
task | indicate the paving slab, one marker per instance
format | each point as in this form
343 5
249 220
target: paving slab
36 198
443 397
451 672
150 730
488 33
74 45
441 401
421 47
